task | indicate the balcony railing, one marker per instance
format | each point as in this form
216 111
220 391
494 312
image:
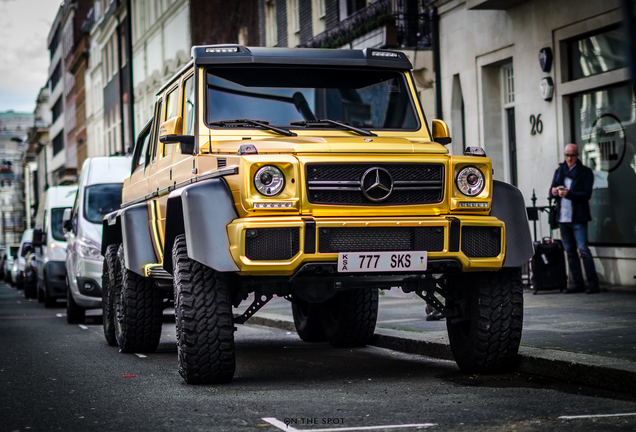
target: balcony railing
411 18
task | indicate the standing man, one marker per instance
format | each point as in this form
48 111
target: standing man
572 187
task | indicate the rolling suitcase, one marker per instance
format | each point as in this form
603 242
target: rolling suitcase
548 266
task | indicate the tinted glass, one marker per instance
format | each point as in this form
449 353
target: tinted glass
56 223
364 98
188 107
596 54
100 200
14 251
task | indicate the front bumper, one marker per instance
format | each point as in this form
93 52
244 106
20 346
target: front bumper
88 271
285 244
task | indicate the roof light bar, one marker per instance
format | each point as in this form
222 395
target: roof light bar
384 54
222 50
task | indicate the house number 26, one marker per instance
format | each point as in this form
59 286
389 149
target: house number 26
537 124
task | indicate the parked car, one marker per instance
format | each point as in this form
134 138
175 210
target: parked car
314 175
23 252
8 262
99 192
50 243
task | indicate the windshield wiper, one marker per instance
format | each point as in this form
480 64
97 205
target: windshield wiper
324 122
249 122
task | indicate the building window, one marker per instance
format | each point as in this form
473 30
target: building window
55 76
599 53
271 29
509 85
58 143
604 129
55 42
57 110
293 11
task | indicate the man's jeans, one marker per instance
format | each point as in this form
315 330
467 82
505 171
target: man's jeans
575 235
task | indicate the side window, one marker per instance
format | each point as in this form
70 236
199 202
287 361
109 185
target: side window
188 106
155 129
141 150
171 112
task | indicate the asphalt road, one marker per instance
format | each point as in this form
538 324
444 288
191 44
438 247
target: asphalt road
55 376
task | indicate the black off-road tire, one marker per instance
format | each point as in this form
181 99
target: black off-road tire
138 309
488 341
109 285
203 312
349 317
308 321
75 314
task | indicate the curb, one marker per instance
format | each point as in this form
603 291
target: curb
584 369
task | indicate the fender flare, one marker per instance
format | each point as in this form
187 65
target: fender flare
508 205
201 211
129 227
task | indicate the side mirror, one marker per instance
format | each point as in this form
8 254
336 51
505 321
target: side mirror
38 238
441 135
67 223
186 142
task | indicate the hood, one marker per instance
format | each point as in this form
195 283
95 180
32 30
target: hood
358 144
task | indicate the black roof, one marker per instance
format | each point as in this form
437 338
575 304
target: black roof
238 54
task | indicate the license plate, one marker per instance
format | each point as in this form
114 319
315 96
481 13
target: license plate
358 262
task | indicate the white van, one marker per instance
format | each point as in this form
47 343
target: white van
50 243
99 192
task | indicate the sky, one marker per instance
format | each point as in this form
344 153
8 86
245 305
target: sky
24 29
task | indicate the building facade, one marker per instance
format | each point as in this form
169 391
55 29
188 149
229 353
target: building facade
524 78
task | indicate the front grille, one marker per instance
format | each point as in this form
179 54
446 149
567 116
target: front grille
266 244
338 183
369 239
481 242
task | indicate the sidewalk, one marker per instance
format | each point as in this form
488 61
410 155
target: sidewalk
580 338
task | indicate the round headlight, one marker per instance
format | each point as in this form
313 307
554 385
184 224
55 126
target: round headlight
269 180
470 181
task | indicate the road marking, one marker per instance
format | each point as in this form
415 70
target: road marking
83 327
283 426
140 355
59 315
596 416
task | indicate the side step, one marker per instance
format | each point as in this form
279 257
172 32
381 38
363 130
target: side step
156 271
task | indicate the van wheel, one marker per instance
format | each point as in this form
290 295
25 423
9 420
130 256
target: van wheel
74 313
138 310
49 300
349 317
40 293
203 312
308 321
491 303
109 284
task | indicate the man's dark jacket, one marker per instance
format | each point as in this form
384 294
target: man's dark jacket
580 192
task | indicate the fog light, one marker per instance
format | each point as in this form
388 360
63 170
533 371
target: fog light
88 286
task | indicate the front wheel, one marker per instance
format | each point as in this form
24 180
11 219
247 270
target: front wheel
110 283
203 313
138 310
487 337
349 317
75 314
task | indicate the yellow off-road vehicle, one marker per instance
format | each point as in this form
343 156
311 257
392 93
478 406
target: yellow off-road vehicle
311 175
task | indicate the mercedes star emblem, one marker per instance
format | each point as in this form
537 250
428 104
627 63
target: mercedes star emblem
377 184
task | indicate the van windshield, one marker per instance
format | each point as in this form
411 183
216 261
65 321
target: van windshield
100 200
56 223
13 250
298 97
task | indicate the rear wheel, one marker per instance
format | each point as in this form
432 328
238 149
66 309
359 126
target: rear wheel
349 317
75 314
40 293
308 321
109 285
203 312
488 338
138 310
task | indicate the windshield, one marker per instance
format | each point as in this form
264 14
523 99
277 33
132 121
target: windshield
365 98
13 250
56 223
100 200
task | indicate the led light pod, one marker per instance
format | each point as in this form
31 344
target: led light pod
470 181
269 180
